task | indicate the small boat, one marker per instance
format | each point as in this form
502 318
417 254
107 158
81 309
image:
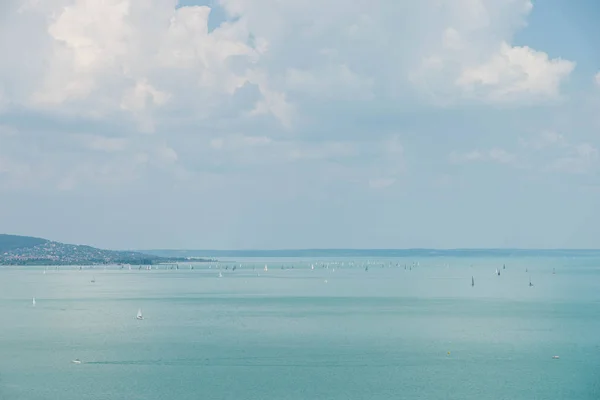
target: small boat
139 314
555 357
220 274
472 281
530 284
33 302
266 268
76 361
93 279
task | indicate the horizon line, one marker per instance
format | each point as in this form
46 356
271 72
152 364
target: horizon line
379 249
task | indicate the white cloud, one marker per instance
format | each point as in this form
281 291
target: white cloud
381 183
496 155
327 150
100 58
217 143
544 140
548 151
514 72
501 156
580 159
269 65
103 143
474 155
331 81
356 162
393 146
239 141
108 56
458 158
474 59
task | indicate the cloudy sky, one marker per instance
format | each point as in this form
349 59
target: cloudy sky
301 123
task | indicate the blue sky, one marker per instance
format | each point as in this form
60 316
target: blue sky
260 124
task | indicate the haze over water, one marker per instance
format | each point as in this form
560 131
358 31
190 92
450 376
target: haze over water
297 333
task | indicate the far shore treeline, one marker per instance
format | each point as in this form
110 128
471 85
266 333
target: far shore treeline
25 250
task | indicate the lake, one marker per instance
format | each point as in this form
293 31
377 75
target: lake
290 333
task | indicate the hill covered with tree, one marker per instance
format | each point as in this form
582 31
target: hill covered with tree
25 250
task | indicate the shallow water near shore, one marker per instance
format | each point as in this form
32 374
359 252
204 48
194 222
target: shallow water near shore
335 332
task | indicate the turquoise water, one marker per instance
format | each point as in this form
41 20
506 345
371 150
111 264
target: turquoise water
299 333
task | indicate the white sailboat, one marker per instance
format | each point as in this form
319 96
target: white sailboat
139 314
93 279
266 268
33 302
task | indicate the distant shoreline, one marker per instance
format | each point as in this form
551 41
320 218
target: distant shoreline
50 263
376 253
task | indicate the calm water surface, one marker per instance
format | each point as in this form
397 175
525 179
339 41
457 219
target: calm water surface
330 333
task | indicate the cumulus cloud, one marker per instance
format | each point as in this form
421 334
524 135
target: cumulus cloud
514 72
268 84
103 57
100 58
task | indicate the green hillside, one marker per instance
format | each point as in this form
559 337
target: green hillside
14 242
24 250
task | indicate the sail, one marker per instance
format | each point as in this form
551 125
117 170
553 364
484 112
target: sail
139 314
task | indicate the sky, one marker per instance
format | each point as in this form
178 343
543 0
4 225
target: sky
268 124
